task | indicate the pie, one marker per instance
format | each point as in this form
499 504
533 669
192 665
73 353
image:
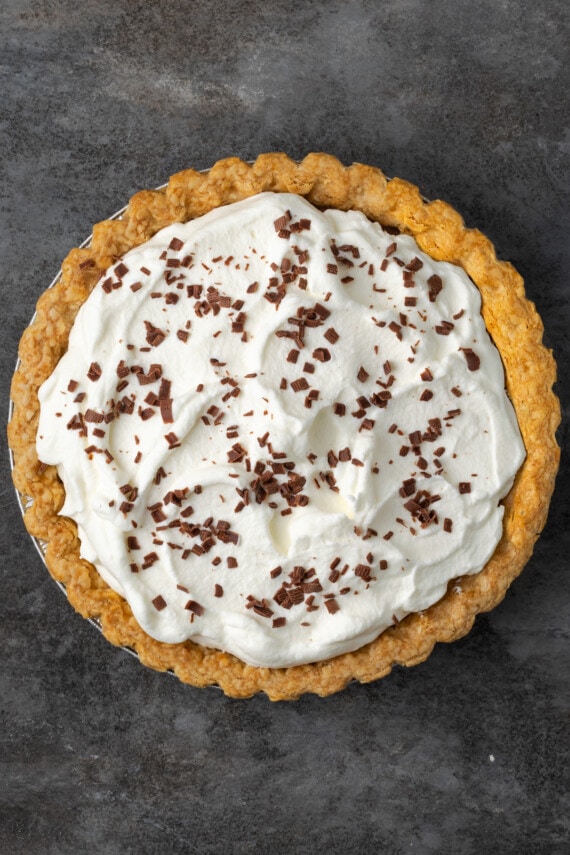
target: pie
293 355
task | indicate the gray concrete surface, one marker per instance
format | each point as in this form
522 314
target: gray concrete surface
467 753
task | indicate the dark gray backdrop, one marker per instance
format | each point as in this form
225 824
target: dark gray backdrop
466 753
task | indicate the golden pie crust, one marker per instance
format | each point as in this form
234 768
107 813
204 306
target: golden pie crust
511 320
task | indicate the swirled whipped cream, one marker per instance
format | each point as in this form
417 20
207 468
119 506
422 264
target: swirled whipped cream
281 430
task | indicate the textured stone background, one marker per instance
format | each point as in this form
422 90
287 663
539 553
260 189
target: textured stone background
466 753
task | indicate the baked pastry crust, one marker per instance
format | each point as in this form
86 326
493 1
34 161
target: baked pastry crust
511 320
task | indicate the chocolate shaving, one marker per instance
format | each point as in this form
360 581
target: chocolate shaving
194 607
121 270
435 285
154 373
281 223
322 354
408 487
172 440
299 385
444 328
94 372
473 361
363 571
154 335
93 416
396 329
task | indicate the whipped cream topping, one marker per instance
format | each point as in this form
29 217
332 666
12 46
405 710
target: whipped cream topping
281 430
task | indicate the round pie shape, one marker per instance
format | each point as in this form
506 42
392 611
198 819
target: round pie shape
511 320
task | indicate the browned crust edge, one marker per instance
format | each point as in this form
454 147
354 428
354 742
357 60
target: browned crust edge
511 319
